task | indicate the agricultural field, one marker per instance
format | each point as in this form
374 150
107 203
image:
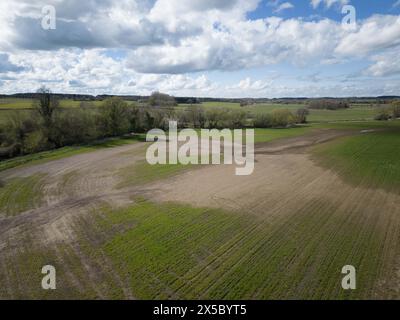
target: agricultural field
322 196
10 106
356 112
187 154
12 103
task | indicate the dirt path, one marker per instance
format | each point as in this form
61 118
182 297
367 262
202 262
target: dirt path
302 143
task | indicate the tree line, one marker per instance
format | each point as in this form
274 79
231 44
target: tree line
47 126
327 104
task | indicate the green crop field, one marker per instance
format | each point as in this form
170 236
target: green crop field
10 106
172 251
351 114
371 159
180 252
12 103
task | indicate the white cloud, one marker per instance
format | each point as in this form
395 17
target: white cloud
242 44
387 64
7 66
279 6
376 33
284 6
90 71
328 3
166 40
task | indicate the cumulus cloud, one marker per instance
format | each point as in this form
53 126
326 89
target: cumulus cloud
375 33
164 41
173 36
91 71
106 23
88 24
7 66
242 44
384 65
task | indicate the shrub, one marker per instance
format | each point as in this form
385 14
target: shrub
263 121
87 105
247 102
158 99
114 117
383 114
396 109
195 116
35 141
282 118
235 119
74 127
16 132
301 115
45 105
215 118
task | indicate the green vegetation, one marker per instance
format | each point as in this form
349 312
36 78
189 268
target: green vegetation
213 105
20 194
352 114
158 99
20 273
173 251
388 113
355 112
328 104
359 125
48 127
371 159
13 103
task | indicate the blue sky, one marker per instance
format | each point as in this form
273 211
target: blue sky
217 48
303 8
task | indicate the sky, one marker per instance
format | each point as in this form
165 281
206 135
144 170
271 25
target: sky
203 48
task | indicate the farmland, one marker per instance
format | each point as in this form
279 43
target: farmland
356 112
14 103
322 196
